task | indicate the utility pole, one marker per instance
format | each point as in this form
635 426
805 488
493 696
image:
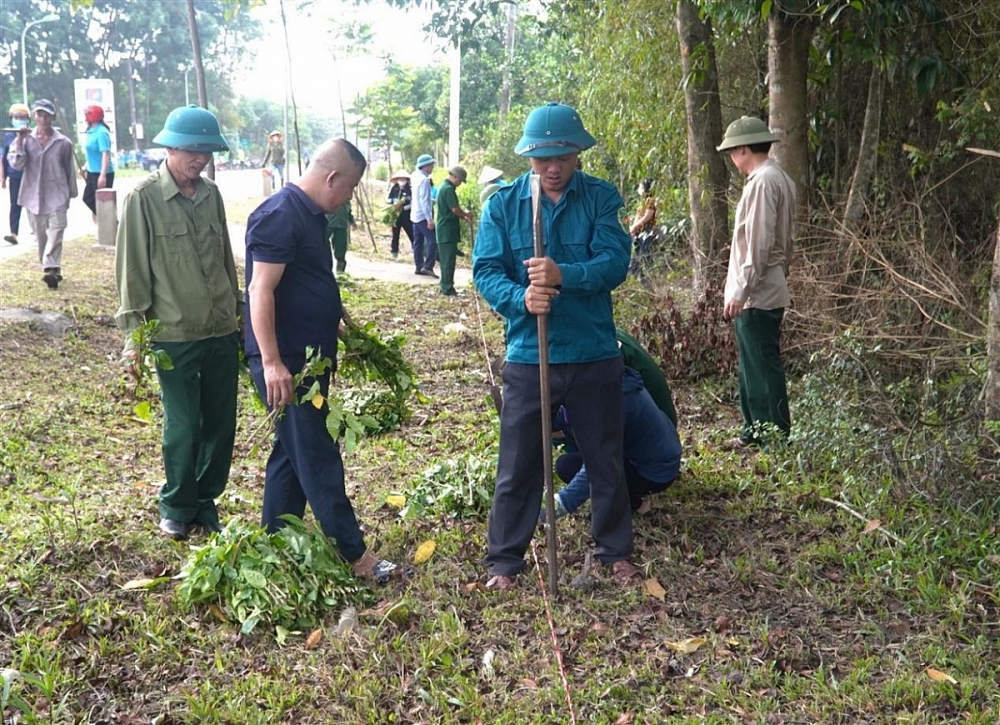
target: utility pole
454 133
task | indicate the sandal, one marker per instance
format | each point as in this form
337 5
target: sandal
371 569
501 583
626 573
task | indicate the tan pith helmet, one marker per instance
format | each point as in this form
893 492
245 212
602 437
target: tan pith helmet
745 131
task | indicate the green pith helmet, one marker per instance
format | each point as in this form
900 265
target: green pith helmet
425 160
191 128
745 131
488 191
553 130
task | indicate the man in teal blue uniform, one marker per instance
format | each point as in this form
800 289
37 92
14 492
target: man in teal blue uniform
587 254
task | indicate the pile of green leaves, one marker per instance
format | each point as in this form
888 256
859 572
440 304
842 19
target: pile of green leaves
287 580
460 487
368 359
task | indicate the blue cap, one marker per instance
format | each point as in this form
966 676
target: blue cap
425 159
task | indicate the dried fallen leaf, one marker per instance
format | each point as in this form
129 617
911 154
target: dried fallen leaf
654 589
872 525
687 646
73 630
529 683
722 623
396 500
314 638
939 676
217 612
626 718
317 400
424 551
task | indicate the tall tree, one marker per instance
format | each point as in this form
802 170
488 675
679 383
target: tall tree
707 178
790 26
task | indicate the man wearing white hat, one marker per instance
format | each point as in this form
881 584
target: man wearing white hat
401 198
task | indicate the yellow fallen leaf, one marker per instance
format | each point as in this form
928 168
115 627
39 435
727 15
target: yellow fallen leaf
317 400
424 551
396 500
939 676
313 640
654 589
687 646
139 584
872 525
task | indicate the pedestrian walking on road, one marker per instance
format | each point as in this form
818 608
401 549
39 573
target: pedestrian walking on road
100 172
48 183
10 178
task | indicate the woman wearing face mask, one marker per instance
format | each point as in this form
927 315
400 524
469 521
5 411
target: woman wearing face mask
100 173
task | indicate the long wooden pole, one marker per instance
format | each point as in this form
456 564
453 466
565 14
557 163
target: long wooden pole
545 394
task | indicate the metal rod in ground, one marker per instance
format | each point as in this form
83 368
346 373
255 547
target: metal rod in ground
545 395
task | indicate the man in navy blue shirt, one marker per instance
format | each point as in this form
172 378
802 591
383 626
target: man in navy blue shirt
294 304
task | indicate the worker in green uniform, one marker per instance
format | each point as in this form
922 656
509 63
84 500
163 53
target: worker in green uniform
338 231
449 228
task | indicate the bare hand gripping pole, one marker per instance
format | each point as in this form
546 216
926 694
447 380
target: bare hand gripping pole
546 397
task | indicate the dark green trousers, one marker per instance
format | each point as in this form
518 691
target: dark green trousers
199 425
763 391
339 239
447 254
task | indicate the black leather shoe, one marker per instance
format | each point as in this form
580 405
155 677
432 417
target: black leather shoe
176 530
51 279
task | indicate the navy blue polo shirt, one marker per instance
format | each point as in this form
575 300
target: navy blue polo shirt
288 228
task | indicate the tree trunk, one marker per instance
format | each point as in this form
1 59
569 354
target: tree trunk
993 340
707 175
864 169
508 46
131 105
788 42
199 72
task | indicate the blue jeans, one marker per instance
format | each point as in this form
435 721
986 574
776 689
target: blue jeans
277 172
305 467
14 182
570 468
424 246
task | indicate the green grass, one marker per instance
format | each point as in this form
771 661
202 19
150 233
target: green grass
807 617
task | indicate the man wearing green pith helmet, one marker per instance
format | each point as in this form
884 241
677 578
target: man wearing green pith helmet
174 264
756 287
586 256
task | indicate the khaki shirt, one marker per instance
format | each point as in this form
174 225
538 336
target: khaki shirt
174 263
49 179
763 239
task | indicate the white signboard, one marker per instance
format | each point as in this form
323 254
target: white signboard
96 92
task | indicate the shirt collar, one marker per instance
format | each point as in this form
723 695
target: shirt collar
169 187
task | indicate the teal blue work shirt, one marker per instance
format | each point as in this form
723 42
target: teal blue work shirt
585 237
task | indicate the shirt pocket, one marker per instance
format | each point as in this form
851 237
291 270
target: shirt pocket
522 247
172 242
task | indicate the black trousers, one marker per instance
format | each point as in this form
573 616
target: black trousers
592 395
90 190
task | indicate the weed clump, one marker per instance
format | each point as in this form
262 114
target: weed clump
288 580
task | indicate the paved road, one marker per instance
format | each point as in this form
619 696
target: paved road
235 186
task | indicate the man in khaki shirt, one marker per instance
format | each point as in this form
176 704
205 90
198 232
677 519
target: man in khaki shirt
756 290
174 264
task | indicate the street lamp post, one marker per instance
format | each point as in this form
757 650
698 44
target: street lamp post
24 68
